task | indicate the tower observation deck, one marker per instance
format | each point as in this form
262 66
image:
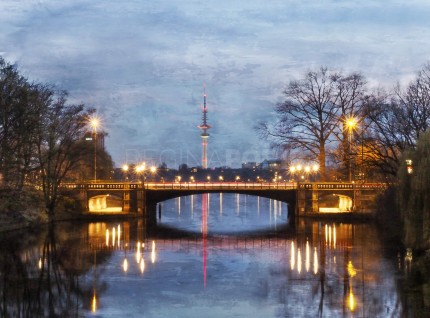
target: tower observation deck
205 135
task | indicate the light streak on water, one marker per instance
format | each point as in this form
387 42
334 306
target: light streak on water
299 260
292 256
308 257
315 261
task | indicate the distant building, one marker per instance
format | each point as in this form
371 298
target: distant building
100 139
274 164
249 165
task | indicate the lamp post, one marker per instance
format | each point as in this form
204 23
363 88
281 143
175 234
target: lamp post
351 122
94 124
125 168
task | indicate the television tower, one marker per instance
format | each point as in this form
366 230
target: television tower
204 127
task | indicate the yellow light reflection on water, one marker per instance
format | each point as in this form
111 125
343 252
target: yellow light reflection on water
94 302
107 237
299 261
351 270
315 261
113 236
351 300
138 254
326 234
142 265
308 257
292 256
334 236
153 253
125 265
119 235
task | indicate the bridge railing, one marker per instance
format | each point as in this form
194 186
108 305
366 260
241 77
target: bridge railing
341 185
219 185
223 186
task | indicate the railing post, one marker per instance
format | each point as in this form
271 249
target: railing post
357 198
141 199
126 198
301 199
84 194
315 198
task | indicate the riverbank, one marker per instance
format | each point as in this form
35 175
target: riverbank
26 208
20 209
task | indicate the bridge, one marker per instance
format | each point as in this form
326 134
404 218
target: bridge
303 198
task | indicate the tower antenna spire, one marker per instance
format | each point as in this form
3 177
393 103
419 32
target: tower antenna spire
204 128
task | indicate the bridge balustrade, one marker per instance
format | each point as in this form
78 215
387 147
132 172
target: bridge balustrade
219 185
304 196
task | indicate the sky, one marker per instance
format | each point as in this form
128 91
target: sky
143 64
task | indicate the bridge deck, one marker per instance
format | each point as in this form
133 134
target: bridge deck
258 186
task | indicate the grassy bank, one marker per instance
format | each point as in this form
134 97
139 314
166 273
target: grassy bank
19 209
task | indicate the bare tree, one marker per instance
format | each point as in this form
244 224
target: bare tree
397 124
384 142
350 92
14 91
61 127
306 119
413 107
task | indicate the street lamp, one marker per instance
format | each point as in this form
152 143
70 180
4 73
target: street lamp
95 123
351 122
303 171
125 169
141 168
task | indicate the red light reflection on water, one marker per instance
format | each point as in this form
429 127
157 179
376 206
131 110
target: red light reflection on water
205 204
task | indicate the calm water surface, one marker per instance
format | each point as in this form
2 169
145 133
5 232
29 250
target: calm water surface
209 256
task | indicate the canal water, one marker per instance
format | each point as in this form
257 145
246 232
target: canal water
210 255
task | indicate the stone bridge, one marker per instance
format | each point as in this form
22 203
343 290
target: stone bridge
303 198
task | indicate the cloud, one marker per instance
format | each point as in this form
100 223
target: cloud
143 64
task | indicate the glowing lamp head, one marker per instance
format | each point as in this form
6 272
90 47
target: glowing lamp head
351 122
140 168
94 122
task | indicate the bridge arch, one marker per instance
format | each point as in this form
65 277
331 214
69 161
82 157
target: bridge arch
154 197
335 202
105 203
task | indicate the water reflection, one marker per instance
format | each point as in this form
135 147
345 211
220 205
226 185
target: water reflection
242 213
115 269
